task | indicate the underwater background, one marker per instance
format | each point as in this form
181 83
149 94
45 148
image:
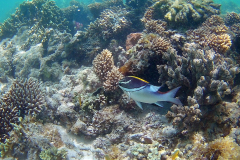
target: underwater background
72 75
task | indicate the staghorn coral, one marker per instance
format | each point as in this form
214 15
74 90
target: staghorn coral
103 66
213 34
26 95
185 12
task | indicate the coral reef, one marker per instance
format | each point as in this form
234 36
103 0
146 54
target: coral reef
78 112
185 12
112 22
213 33
221 148
9 115
103 66
24 98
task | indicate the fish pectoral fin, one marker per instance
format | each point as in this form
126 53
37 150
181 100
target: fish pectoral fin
154 88
139 104
129 96
159 103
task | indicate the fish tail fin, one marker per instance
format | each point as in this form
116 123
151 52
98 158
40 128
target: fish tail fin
170 96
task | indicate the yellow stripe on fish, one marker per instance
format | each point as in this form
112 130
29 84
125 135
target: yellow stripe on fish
140 79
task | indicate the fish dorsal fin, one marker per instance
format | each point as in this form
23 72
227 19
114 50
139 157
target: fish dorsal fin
154 88
139 79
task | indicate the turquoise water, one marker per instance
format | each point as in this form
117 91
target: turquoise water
10 5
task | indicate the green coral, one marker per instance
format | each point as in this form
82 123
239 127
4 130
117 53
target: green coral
53 154
185 11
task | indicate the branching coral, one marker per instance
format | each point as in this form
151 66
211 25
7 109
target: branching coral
213 34
103 66
9 115
112 22
188 115
183 11
26 95
211 73
40 13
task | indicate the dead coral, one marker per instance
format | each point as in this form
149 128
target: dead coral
213 34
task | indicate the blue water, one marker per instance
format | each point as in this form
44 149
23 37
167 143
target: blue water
10 6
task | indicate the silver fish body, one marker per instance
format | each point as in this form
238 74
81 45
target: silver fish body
143 92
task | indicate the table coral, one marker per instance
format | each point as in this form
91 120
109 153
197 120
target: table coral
183 11
213 33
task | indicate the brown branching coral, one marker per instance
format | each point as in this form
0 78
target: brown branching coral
187 115
103 66
26 95
112 79
8 115
213 34
160 45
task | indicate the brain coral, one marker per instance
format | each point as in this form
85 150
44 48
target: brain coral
213 33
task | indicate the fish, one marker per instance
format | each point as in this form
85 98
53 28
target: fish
142 92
